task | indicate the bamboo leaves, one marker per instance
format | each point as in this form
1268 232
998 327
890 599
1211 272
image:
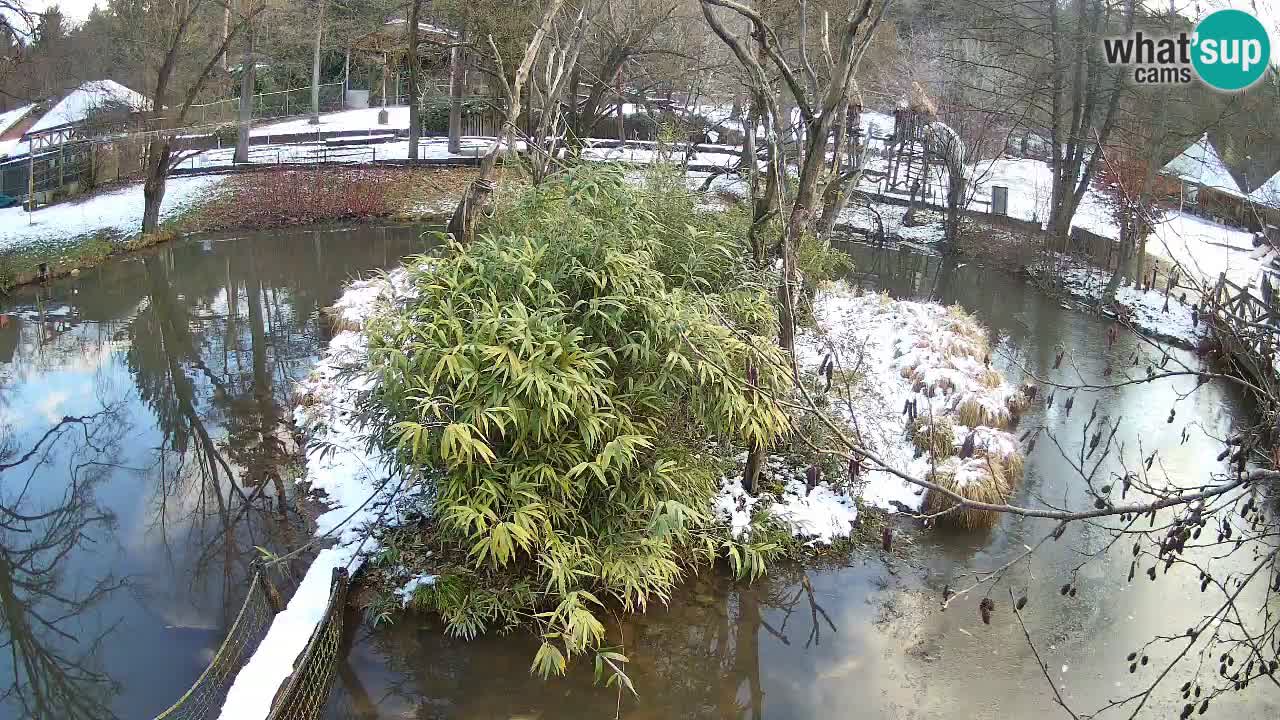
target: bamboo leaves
563 376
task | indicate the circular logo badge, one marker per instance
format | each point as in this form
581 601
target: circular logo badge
1232 50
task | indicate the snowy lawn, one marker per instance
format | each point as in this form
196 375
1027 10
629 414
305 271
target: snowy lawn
1205 248
117 212
346 120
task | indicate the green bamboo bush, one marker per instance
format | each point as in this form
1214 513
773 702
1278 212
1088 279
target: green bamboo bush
575 379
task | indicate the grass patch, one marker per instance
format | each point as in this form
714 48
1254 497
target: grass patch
23 266
980 479
936 436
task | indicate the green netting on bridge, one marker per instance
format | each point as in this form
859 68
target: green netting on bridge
306 690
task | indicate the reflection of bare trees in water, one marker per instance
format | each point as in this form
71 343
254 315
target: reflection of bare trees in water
223 433
53 673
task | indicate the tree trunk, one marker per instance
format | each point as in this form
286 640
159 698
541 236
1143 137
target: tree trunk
315 67
415 125
457 83
247 72
158 152
755 463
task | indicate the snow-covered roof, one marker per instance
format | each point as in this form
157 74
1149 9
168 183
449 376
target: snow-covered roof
1268 193
1201 164
79 103
12 117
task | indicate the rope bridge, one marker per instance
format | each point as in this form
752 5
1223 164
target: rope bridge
303 695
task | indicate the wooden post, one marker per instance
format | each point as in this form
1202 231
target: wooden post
31 181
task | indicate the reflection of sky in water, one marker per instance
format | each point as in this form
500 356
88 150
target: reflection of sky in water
152 338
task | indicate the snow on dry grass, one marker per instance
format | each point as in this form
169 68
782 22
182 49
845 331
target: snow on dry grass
903 369
902 359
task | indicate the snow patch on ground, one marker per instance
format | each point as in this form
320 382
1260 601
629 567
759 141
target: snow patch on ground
1205 249
867 218
821 515
357 486
118 212
405 592
1149 311
344 121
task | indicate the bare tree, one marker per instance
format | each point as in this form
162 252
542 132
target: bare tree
415 64
315 62
548 88
164 37
476 197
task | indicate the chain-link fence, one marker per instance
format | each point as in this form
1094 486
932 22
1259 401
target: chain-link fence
46 177
307 690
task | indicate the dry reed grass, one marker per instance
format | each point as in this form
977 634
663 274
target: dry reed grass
974 413
933 435
990 486
337 322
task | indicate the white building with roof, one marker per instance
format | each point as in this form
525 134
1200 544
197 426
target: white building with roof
43 140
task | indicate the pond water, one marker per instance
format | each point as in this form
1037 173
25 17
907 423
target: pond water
125 535
863 636
125 542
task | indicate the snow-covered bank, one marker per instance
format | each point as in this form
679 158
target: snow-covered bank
356 485
892 353
906 351
118 212
1148 311
871 217
822 515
